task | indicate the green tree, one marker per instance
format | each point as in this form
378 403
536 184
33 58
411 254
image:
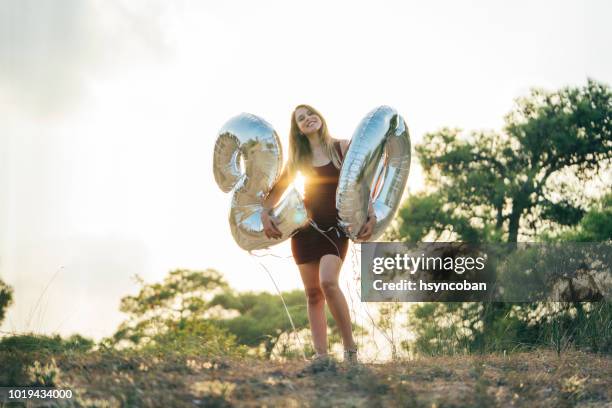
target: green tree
490 186
494 187
595 226
6 299
191 306
183 296
261 318
449 328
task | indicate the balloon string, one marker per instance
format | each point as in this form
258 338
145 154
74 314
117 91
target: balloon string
316 227
286 310
269 254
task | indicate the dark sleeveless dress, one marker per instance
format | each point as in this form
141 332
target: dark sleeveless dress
309 244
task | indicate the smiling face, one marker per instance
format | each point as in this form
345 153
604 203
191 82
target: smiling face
308 122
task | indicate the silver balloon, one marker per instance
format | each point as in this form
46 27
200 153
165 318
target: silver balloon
253 141
376 166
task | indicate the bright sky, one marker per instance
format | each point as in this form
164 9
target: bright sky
110 111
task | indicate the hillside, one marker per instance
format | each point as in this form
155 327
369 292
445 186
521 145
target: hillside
539 378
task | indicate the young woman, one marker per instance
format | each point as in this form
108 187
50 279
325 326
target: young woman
318 250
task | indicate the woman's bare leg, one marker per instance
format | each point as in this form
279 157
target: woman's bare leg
316 305
329 271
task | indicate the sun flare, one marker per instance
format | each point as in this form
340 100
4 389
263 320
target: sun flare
299 182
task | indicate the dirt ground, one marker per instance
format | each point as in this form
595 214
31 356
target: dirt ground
535 379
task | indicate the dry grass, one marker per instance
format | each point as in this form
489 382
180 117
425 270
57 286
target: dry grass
535 379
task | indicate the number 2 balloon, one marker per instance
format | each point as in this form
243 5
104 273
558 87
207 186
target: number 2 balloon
251 139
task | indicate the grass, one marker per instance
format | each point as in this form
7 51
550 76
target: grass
128 378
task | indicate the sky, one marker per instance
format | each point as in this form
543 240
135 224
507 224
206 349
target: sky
109 112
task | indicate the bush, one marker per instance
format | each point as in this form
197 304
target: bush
31 343
41 343
27 360
196 337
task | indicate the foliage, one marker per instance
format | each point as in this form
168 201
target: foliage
595 226
386 324
183 296
451 328
261 318
198 311
456 328
6 298
195 337
489 186
44 375
484 186
21 357
50 344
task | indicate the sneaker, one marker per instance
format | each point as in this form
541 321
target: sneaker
320 363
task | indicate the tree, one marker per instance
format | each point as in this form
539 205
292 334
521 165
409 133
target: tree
449 328
595 226
183 296
490 186
261 317
191 306
6 299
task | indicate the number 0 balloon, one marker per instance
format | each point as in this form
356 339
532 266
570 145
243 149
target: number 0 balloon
253 140
376 166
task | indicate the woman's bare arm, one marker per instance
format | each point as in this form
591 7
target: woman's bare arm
371 210
269 225
277 190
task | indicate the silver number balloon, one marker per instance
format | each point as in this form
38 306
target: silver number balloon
251 139
376 167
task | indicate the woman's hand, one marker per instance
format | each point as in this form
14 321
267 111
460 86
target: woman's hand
366 231
270 228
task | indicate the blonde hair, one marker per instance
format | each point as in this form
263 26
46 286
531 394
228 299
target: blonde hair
300 154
